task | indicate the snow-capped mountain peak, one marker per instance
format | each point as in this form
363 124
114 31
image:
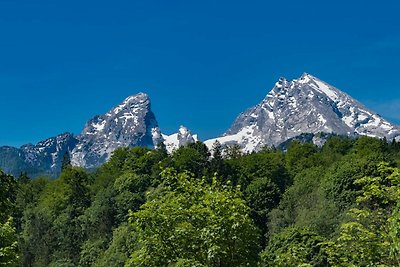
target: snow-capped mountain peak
131 104
320 86
131 123
303 105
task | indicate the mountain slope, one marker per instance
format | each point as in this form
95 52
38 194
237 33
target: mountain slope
43 158
304 105
131 123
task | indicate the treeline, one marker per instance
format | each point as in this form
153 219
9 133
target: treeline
338 205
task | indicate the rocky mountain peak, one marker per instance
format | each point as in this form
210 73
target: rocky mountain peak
131 123
303 105
132 103
307 107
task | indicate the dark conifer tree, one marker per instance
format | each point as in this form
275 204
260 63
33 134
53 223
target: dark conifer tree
162 148
217 162
66 161
23 178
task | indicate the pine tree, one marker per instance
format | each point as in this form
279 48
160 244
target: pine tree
66 161
162 148
217 161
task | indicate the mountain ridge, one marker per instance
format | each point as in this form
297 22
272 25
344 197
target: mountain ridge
291 108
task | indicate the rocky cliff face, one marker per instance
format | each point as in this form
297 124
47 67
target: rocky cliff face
44 158
304 105
131 123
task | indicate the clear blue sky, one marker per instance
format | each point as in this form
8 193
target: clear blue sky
201 62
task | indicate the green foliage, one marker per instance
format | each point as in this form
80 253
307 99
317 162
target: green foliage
9 253
98 220
8 244
304 204
122 246
193 158
370 237
300 156
328 206
262 195
187 263
66 161
265 164
338 145
233 151
394 233
368 147
339 181
52 228
91 250
189 220
217 164
8 189
76 182
294 247
130 189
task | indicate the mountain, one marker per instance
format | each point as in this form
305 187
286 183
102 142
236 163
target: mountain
43 158
304 105
131 123
293 110
181 138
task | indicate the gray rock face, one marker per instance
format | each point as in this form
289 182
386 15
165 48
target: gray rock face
44 158
132 123
304 105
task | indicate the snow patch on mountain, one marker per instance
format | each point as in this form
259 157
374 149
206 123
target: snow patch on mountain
181 138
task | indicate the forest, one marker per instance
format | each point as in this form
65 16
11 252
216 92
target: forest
335 205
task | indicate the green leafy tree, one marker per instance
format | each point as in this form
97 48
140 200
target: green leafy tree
91 250
368 147
300 156
304 204
295 247
339 181
190 221
334 149
123 244
8 192
266 164
9 254
193 158
262 195
53 228
8 237
370 237
130 189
